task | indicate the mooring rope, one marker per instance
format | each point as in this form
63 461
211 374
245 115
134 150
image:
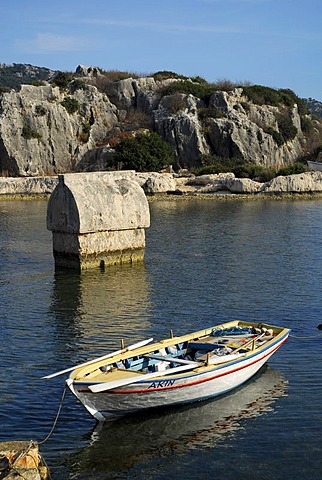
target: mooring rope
306 337
319 327
56 418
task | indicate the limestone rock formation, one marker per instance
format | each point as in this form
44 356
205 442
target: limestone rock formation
27 185
45 130
308 182
153 182
176 120
40 136
243 133
156 183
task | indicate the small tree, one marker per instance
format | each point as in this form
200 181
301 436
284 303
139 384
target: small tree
62 79
144 152
71 104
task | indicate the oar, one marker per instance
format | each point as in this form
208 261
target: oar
123 350
102 387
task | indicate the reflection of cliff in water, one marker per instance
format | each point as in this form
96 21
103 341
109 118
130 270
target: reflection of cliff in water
100 307
132 440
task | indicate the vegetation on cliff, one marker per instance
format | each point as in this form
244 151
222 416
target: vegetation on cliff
145 152
253 130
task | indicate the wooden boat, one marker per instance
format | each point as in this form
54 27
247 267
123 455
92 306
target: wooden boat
316 166
175 370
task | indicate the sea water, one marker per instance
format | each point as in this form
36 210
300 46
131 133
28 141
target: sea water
207 261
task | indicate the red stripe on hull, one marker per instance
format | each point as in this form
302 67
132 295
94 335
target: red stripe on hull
196 382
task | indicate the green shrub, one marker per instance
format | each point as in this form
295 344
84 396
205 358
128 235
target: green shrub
4 89
240 168
71 105
85 132
286 127
199 80
307 124
37 83
199 90
292 98
210 112
166 74
40 110
77 84
262 95
175 104
277 136
29 133
116 75
144 152
270 96
62 79
296 168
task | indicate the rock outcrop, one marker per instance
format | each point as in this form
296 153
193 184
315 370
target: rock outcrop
46 130
155 183
309 182
242 133
19 459
176 120
13 186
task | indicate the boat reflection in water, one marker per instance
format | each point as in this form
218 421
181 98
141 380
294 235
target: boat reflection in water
124 443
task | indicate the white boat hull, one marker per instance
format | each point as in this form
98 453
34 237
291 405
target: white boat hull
206 382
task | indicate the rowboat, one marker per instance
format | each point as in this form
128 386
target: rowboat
175 370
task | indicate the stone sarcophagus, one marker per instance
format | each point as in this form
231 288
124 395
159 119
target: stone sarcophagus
97 219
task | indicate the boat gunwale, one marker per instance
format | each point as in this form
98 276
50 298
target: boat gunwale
279 339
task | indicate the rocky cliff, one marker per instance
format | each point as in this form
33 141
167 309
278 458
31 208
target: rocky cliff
46 130
41 134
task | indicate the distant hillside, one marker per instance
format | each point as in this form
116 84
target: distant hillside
12 76
314 106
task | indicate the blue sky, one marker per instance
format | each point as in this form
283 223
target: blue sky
277 43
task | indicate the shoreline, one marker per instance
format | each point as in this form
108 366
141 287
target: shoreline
235 196
188 196
161 186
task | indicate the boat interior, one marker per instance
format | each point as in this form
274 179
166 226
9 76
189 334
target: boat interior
216 347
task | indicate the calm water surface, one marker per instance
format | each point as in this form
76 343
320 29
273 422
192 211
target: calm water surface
207 261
